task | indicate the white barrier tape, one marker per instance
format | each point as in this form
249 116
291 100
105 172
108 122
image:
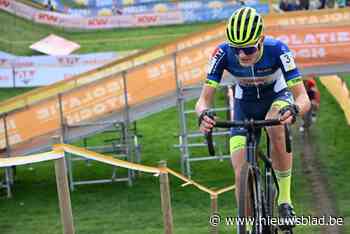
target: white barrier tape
35 158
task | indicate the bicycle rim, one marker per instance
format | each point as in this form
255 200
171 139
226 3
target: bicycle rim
248 198
274 209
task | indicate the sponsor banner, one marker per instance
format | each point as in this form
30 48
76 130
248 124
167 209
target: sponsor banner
94 100
213 14
4 55
64 61
45 70
325 16
5 4
316 46
18 9
157 79
25 11
174 17
19 129
214 10
43 76
6 77
85 103
51 18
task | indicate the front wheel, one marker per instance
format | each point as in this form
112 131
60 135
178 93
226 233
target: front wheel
248 211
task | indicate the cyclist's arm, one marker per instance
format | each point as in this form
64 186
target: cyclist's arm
215 71
205 100
293 79
301 98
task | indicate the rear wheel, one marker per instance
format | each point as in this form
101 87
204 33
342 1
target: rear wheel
247 204
273 208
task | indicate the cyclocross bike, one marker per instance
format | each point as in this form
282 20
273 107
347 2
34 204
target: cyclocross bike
258 191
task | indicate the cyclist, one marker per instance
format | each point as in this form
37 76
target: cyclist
268 85
314 96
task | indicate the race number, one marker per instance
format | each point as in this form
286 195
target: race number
288 61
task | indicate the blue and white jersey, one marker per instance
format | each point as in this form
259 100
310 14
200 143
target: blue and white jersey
274 71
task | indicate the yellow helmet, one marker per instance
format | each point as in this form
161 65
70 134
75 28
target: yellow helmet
244 27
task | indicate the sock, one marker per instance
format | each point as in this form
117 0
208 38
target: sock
284 181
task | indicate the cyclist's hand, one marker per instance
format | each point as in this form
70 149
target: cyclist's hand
288 114
206 121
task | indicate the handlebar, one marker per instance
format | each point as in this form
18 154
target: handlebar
250 125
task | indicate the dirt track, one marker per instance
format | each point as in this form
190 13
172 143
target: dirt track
319 184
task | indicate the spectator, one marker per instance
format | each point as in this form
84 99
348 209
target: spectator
314 96
304 4
116 10
314 4
49 5
330 3
322 4
288 5
341 3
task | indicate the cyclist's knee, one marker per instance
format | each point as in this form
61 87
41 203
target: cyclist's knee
237 144
277 139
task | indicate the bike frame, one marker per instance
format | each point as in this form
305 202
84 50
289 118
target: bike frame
265 196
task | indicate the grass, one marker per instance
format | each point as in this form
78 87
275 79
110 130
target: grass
333 150
18 34
117 208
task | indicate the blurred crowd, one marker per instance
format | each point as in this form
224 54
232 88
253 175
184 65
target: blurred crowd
295 5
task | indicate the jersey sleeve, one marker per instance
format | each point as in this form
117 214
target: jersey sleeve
216 67
286 62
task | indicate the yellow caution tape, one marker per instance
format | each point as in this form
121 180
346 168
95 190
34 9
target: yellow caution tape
59 150
108 159
338 88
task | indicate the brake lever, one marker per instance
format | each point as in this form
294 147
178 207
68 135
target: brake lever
209 138
288 138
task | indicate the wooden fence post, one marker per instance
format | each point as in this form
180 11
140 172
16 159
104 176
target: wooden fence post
214 211
166 200
63 192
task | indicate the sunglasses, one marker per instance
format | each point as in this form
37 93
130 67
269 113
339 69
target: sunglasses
246 50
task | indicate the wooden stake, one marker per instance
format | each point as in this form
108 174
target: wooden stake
166 200
214 211
63 193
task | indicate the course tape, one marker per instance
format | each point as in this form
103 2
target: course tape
338 88
106 159
35 158
59 150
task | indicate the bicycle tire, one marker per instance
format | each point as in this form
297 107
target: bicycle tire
248 198
274 209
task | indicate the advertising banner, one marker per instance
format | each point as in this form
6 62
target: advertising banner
316 46
88 102
36 71
20 130
6 77
326 16
151 81
158 14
